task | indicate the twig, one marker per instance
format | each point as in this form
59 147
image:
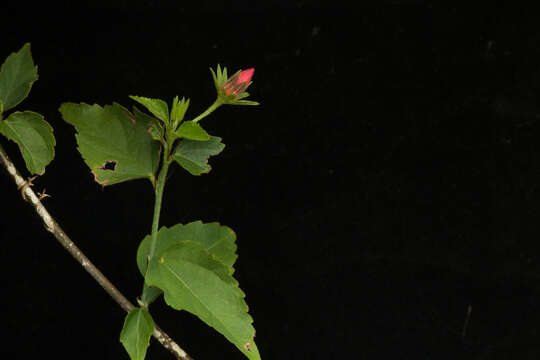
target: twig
52 226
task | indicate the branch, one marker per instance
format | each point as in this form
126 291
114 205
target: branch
52 226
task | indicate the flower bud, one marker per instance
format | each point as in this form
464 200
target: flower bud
238 83
233 90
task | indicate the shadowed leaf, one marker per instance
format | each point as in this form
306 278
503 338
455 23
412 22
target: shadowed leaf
34 137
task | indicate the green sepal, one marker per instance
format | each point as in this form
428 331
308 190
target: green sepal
17 75
220 77
136 332
244 102
193 155
34 136
192 131
156 106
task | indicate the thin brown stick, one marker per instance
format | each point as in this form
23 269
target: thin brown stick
52 226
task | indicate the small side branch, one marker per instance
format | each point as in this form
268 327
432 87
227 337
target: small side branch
52 226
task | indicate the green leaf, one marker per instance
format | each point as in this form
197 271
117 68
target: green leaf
178 111
136 333
155 129
193 155
193 280
114 143
34 137
1 109
17 75
156 106
192 131
217 239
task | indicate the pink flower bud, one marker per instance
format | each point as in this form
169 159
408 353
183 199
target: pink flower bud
238 82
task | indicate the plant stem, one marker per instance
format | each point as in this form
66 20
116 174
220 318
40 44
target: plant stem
162 177
160 186
146 298
208 111
52 226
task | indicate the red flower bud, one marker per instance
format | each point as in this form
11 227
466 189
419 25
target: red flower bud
238 82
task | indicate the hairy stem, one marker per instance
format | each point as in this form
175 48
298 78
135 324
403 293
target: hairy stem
52 226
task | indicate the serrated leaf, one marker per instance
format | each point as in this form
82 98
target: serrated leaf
156 106
193 155
113 143
34 136
178 110
217 239
136 333
192 131
193 280
17 75
154 126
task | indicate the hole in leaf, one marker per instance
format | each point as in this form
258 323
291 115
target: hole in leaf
109 165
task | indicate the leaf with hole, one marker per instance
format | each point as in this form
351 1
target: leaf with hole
114 143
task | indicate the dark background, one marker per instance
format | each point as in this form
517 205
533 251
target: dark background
388 181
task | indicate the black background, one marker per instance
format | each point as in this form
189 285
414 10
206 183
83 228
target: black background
388 181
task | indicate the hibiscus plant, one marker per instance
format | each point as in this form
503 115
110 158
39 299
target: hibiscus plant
191 264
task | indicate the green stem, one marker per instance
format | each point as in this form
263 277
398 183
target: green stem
160 186
208 111
146 296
